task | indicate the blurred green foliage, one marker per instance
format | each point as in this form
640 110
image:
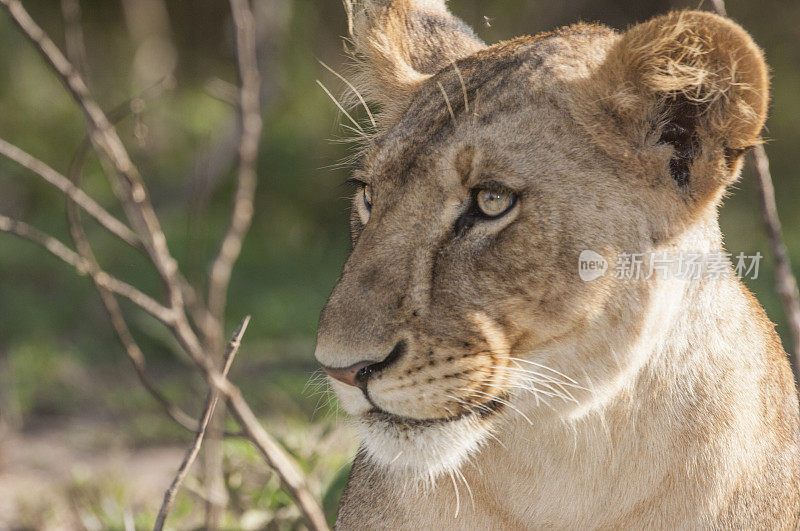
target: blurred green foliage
58 354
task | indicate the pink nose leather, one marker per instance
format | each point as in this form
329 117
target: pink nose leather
348 374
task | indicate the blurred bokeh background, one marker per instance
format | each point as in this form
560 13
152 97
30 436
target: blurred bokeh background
80 442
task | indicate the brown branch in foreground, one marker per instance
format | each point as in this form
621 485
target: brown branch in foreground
58 249
73 35
785 281
208 412
273 454
231 245
251 124
77 195
112 306
196 306
139 210
133 193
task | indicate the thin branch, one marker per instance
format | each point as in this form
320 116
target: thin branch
194 449
140 213
273 454
719 7
112 306
73 35
785 281
58 249
251 124
134 197
50 175
192 300
241 218
223 91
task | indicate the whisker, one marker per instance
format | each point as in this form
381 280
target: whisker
339 105
350 128
463 86
499 401
530 388
544 377
447 101
469 489
317 377
355 91
471 408
493 436
548 382
455 487
544 367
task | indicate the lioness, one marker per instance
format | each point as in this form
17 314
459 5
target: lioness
494 386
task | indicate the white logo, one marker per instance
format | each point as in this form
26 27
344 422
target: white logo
591 265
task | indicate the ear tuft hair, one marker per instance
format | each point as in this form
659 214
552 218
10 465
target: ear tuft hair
689 79
398 44
700 58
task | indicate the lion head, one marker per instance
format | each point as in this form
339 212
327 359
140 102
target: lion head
460 311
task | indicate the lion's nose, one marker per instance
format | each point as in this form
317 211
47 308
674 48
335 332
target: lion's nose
359 373
355 375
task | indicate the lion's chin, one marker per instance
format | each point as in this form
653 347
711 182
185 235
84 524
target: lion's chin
419 452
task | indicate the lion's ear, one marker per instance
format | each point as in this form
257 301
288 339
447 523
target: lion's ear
693 80
398 44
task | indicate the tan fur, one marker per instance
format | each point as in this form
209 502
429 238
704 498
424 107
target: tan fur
524 397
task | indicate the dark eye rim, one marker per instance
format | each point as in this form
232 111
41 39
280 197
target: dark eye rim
362 187
475 209
367 203
473 214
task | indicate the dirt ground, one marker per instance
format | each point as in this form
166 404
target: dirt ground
43 470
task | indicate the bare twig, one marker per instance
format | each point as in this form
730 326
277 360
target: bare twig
719 7
194 449
50 175
275 456
251 124
73 35
133 195
785 281
192 300
240 221
58 249
223 91
113 309
134 198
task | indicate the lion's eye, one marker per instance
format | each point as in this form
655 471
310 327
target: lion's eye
368 197
494 203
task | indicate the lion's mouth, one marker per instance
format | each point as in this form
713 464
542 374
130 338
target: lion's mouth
481 411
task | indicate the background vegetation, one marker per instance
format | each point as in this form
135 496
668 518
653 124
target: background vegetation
70 403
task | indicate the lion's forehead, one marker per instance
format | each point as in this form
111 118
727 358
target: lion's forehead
491 87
